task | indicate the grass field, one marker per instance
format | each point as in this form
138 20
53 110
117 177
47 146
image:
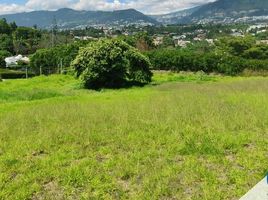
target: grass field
182 137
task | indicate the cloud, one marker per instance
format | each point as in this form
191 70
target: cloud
146 6
48 4
12 8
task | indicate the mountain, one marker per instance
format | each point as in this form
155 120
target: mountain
68 18
174 17
230 11
220 11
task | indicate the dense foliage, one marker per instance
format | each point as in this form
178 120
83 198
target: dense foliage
230 56
3 55
14 74
112 64
52 60
19 40
142 41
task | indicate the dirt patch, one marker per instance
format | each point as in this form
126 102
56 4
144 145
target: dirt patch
51 190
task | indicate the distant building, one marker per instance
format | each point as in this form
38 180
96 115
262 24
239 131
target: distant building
197 39
179 37
202 36
262 42
158 40
15 59
237 34
261 31
84 38
210 41
181 43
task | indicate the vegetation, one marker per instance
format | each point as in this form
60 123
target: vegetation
195 130
50 60
203 138
3 55
112 64
14 74
141 41
229 56
19 40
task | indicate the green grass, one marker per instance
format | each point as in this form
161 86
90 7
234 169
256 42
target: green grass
179 138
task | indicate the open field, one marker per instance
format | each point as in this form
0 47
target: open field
182 137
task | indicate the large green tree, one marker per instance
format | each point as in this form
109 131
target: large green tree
4 27
6 43
112 64
50 60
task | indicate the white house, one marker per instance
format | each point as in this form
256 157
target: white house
181 43
14 60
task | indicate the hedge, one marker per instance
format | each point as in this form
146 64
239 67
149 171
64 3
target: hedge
187 60
11 74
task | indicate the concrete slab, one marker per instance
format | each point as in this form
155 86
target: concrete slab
259 192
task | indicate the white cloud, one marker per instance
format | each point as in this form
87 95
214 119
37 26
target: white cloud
146 6
48 4
12 8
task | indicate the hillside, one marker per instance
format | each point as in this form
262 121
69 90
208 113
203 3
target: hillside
68 18
220 11
174 17
232 11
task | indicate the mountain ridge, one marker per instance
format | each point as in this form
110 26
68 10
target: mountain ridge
173 17
221 11
69 18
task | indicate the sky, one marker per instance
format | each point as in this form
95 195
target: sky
145 6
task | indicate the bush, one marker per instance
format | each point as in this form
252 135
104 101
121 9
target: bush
12 74
183 60
230 65
49 60
111 64
256 65
189 60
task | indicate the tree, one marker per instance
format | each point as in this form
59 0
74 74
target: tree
26 40
13 26
236 45
168 42
143 42
111 64
43 61
50 59
6 43
4 27
3 55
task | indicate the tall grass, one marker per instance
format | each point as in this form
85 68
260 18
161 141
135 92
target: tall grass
177 140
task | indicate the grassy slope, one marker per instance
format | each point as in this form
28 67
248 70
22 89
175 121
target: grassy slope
190 137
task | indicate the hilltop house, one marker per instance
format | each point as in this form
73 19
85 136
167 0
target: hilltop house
181 43
262 42
158 40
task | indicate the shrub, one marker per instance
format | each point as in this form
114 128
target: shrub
49 60
112 64
189 60
256 65
12 74
230 65
3 55
182 60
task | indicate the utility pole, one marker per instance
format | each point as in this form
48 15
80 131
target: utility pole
61 67
26 72
54 31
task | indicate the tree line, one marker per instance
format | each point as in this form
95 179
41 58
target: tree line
17 40
229 55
